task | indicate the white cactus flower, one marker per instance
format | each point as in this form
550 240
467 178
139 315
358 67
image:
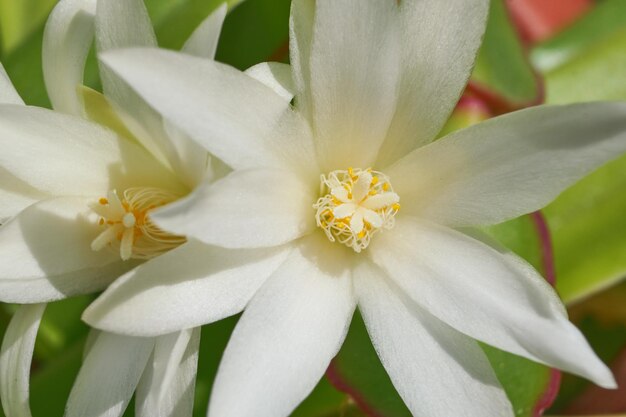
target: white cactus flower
310 222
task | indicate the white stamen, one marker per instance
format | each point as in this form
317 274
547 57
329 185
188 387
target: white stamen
355 205
128 227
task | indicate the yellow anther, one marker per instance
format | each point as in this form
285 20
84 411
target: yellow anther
386 186
396 206
374 180
103 201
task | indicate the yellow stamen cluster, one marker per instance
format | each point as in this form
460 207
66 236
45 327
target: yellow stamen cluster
355 204
127 224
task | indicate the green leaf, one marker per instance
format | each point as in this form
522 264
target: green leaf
604 19
502 64
588 228
18 19
598 73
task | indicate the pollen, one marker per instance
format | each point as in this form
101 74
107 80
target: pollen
127 227
355 205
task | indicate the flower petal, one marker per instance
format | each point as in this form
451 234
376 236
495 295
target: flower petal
8 94
124 24
440 41
510 165
301 21
246 209
67 39
344 210
109 375
66 155
238 119
276 76
491 296
167 386
45 253
203 41
16 195
287 336
192 285
15 359
354 71
428 361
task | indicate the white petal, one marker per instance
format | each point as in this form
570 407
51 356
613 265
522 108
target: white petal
354 71
45 253
192 285
109 375
276 76
344 210
15 195
203 41
301 21
167 386
15 359
66 155
287 336
67 39
439 42
238 119
379 201
246 209
356 222
489 295
8 94
186 157
437 371
371 217
510 165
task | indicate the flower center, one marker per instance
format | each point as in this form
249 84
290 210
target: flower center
355 205
128 227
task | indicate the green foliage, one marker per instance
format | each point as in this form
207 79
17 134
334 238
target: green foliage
502 65
585 63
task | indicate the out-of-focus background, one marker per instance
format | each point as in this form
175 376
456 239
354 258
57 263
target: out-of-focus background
534 52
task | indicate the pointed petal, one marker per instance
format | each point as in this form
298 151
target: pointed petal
15 360
203 41
301 21
45 253
238 119
354 71
491 296
192 285
440 41
167 386
8 94
67 39
287 336
427 361
109 375
510 165
66 155
276 76
246 209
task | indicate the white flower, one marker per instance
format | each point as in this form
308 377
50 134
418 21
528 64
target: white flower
76 205
307 216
